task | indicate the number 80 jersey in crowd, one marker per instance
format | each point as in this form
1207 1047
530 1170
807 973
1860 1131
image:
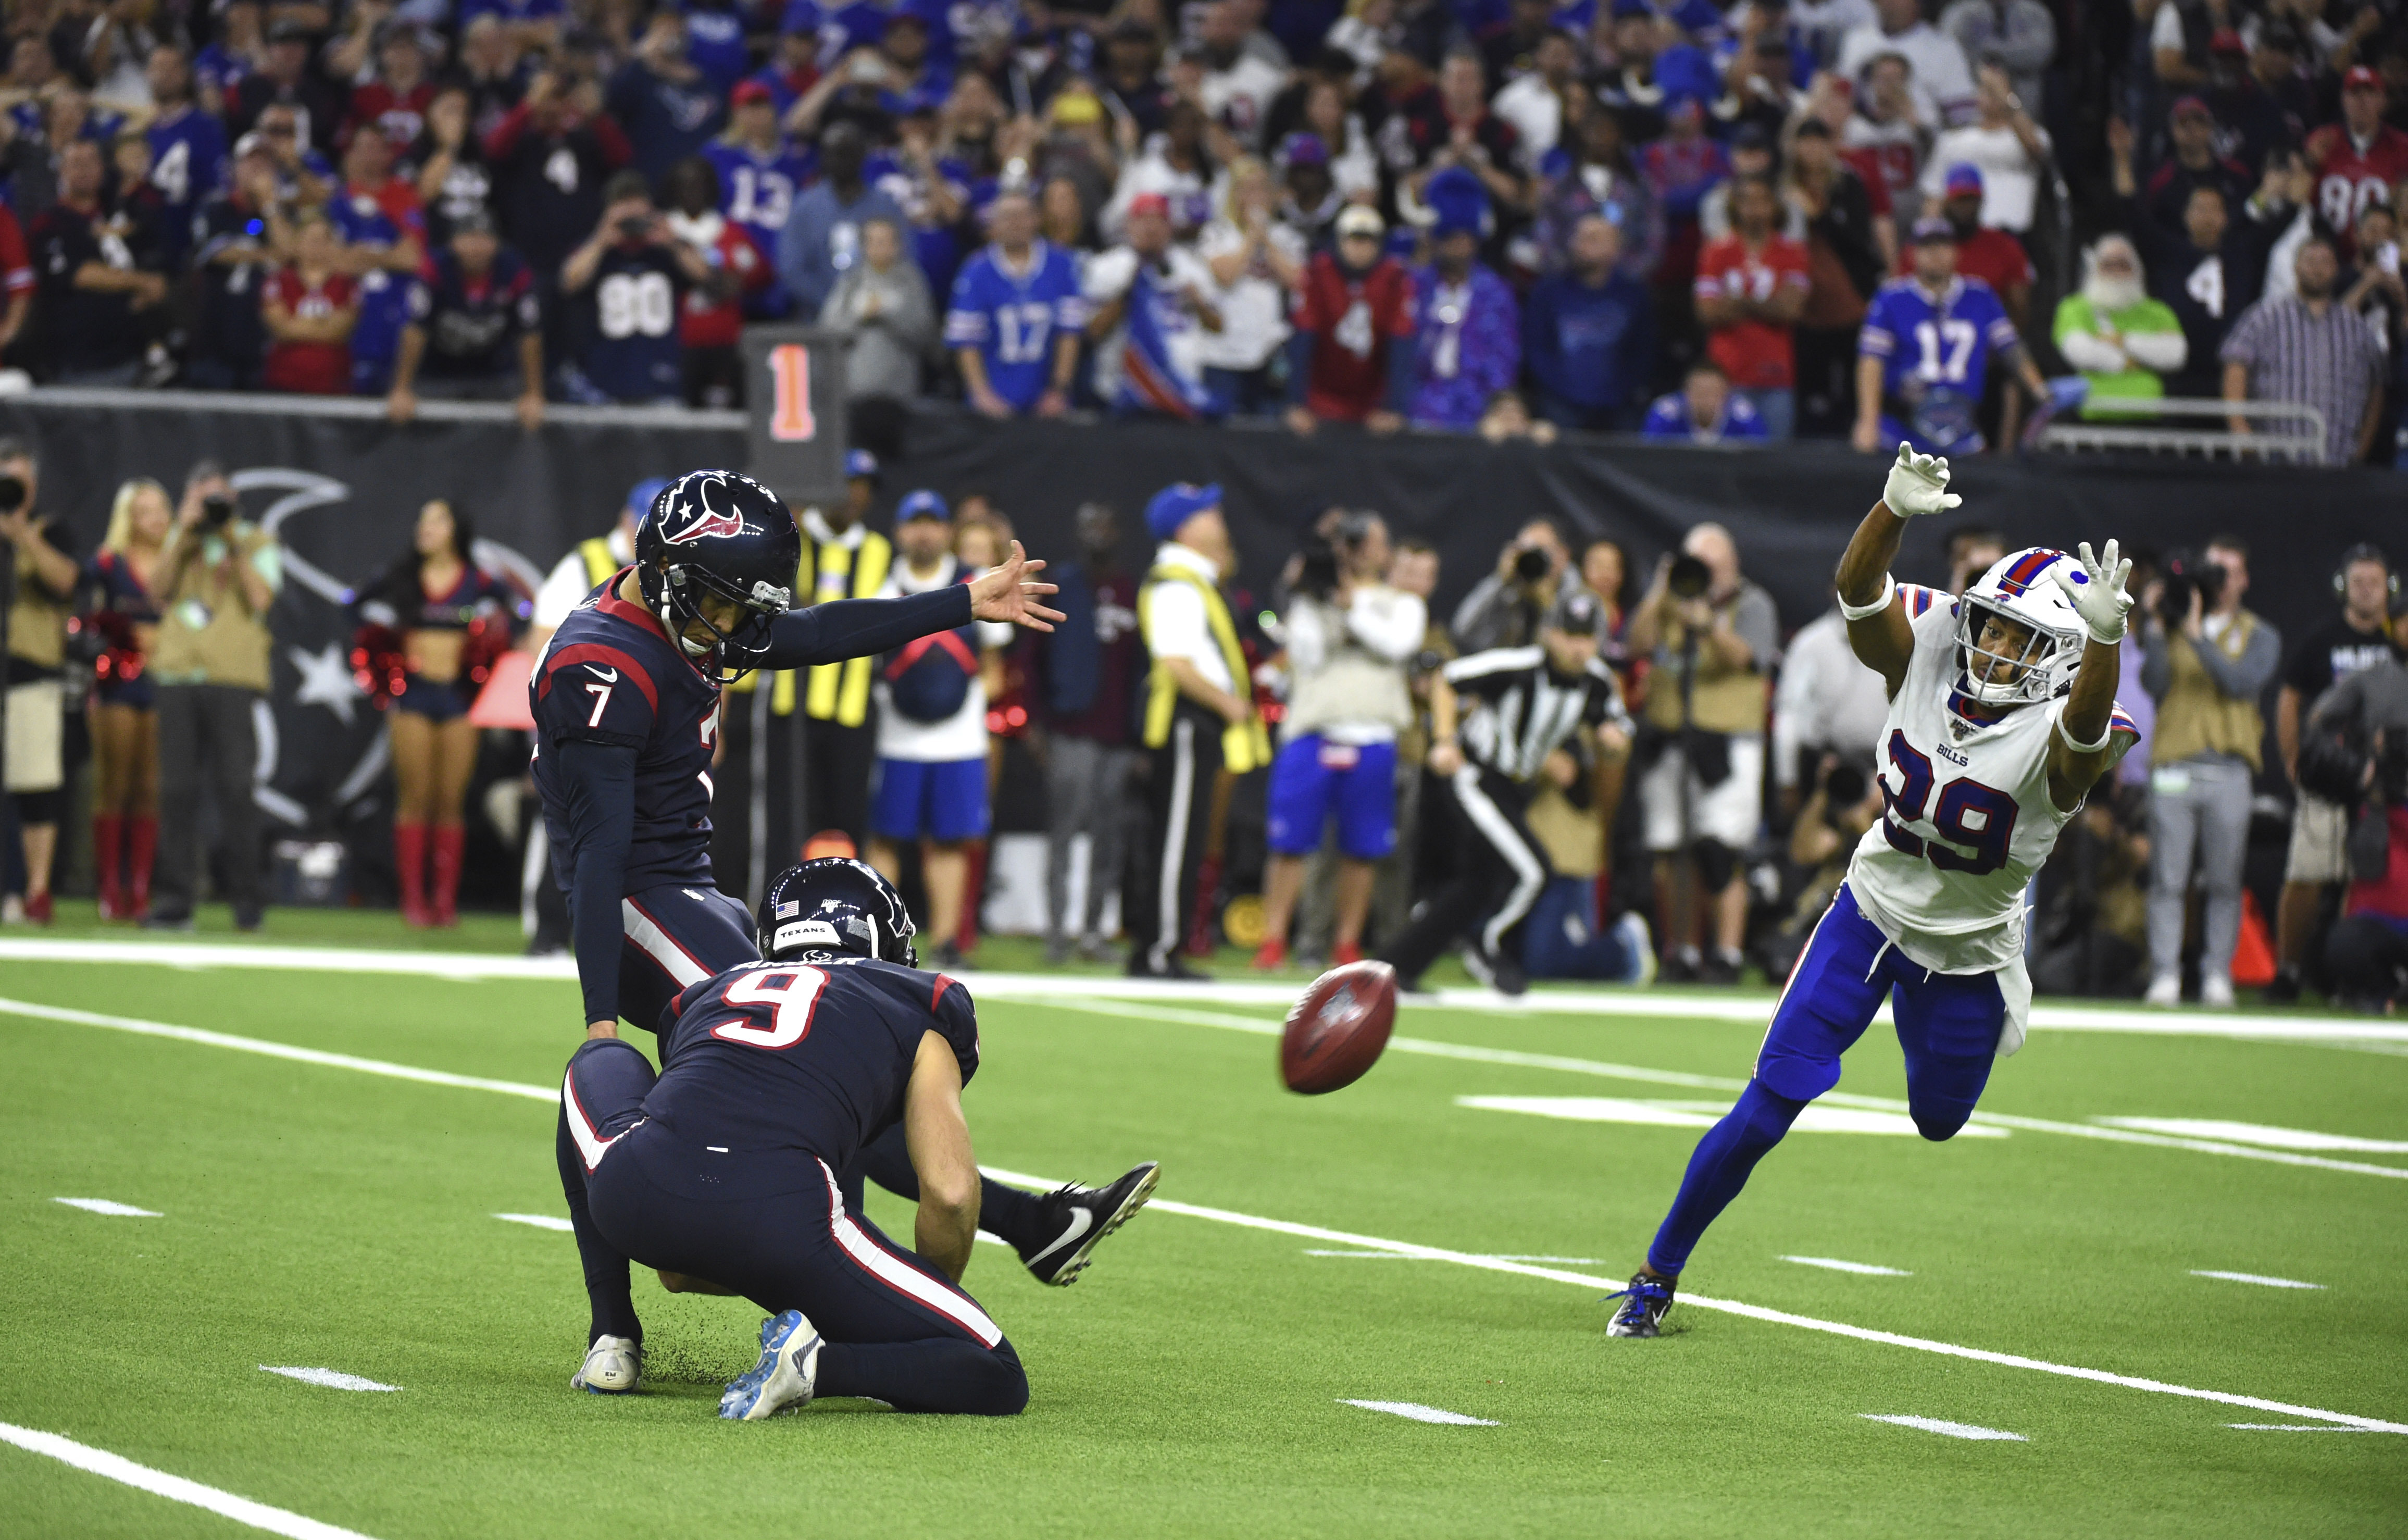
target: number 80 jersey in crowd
1967 817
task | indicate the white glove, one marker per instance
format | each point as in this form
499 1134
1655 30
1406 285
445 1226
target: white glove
2097 592
1918 483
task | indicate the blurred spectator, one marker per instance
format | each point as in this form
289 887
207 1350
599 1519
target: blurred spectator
2253 121
188 149
715 41
843 558
2352 641
1062 217
552 156
2276 78
1681 168
475 328
1704 410
1151 302
2307 348
1994 256
494 66
1200 719
2357 160
1504 608
712 318
1349 639
1763 93
759 176
1841 804
2194 163
1973 549
1347 361
286 78
1462 134
1592 174
637 274
2206 662
123 576
1238 83
2366 953
1703 791
1751 155
453 176
1924 355
1533 101
2122 340
1652 75
1129 78
1588 334
1751 289
211 663
1828 708
309 309
1176 165
1016 317
1257 263
2020 35
1468 343
2003 145
1604 571
383 234
1942 77
234 255
2207 277
667 105
1850 244
1507 417
99 298
237 47
823 235
933 187
881 308
41 594
932 733
396 97
1310 200
1088 669
1889 131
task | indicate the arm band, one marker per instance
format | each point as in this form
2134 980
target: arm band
2105 739
1867 611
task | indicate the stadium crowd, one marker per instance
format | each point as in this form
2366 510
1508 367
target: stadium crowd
1691 220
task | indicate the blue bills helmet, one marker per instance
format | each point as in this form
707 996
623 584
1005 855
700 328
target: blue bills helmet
835 905
721 533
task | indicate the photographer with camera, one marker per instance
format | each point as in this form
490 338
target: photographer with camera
2205 662
1350 639
1713 636
40 593
1504 608
220 575
2355 754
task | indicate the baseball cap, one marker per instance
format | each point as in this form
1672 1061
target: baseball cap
1575 609
2361 77
1150 203
641 498
1357 218
923 504
1931 228
860 464
1964 176
1177 503
2187 104
749 91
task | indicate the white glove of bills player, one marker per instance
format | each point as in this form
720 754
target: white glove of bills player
2097 592
1918 483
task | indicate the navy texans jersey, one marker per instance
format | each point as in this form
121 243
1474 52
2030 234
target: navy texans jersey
810 1054
612 675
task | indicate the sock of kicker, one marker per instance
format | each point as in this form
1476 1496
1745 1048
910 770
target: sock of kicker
606 1271
1719 1169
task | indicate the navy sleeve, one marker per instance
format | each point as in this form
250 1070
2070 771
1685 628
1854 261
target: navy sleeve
589 692
670 1013
846 628
957 1017
601 816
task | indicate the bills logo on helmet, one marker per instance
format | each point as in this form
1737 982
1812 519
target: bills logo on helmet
686 514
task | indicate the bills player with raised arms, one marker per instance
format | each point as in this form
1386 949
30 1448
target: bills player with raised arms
723 1171
2002 715
625 700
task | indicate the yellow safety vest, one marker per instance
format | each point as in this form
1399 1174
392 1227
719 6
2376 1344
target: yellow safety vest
1243 746
834 692
599 563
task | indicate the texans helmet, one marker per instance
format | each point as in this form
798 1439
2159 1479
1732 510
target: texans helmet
835 905
725 533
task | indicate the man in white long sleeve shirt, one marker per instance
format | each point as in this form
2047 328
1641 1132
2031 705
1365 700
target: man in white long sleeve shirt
1827 702
1349 639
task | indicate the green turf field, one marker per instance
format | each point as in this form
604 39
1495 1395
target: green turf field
1195 1381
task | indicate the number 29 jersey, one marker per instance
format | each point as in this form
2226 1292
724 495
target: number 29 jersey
1966 818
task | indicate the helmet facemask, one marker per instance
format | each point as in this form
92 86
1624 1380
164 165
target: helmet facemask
675 594
2043 665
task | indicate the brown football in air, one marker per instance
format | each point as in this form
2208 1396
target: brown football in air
1337 1031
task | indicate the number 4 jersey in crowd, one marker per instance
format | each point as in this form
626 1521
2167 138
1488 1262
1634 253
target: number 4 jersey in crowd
1967 817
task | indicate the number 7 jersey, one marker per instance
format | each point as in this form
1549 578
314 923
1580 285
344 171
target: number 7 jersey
1966 816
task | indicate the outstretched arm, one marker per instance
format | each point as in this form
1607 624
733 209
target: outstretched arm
843 628
1878 628
2089 739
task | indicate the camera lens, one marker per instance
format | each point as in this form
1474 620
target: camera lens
217 509
1530 566
1688 578
12 494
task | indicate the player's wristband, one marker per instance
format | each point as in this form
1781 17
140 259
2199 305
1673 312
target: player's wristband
1867 611
2105 737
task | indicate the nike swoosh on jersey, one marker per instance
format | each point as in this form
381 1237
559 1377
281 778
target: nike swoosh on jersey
611 674
1080 1221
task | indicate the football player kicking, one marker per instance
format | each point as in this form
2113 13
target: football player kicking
722 1171
625 700
2002 715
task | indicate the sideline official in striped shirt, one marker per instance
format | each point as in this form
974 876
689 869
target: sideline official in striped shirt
2313 348
1526 704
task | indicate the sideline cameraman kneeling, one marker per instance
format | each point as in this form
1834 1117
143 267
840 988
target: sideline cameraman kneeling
1350 637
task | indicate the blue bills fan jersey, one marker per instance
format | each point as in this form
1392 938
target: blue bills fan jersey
1935 358
612 675
810 1055
1012 318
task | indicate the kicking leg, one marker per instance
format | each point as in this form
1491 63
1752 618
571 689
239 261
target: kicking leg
1054 1233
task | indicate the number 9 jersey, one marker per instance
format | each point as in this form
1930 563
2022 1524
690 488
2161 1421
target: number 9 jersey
1967 817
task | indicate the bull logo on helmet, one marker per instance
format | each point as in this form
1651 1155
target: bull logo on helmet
700 521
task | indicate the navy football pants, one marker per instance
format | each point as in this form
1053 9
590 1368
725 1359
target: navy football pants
774 1228
1948 1025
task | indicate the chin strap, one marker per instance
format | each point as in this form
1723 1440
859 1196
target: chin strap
1867 611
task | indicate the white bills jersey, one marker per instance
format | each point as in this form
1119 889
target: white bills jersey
1966 816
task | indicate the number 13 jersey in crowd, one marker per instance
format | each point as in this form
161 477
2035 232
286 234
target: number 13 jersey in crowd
1966 816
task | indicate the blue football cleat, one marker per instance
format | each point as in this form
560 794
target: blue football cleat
1643 1304
788 1371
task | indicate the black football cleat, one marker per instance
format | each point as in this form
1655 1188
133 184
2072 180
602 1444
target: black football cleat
1643 1304
1495 970
1081 1216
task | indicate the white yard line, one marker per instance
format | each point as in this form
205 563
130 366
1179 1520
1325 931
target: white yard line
1952 1429
103 1205
1052 989
1834 1264
541 1221
242 1510
1284 1227
2295 1428
2253 1278
1420 1413
333 1379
